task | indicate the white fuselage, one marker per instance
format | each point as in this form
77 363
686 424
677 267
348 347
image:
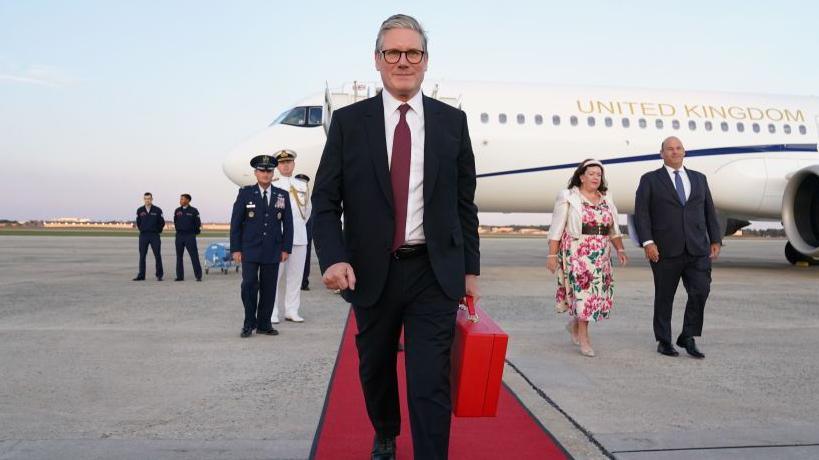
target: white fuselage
524 162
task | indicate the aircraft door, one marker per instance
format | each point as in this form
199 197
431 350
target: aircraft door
817 133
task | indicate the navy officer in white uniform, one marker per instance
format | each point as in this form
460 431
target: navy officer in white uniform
288 290
261 236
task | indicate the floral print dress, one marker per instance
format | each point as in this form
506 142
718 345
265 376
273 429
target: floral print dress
584 283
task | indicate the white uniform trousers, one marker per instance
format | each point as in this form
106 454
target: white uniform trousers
288 286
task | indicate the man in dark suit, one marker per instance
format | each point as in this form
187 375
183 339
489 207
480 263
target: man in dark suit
678 228
400 168
150 223
261 236
188 224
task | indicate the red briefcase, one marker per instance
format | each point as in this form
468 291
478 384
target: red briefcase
478 354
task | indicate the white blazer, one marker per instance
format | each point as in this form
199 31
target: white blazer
568 214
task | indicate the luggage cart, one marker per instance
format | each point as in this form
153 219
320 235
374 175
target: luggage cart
217 255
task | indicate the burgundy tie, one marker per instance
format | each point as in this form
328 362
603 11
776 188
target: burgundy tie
399 175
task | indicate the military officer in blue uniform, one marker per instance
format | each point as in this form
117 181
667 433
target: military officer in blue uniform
150 223
188 224
261 236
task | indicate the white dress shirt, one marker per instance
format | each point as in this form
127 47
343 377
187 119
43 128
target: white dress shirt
299 223
685 180
415 119
686 187
262 190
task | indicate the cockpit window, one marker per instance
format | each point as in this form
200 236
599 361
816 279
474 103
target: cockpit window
296 117
300 116
314 116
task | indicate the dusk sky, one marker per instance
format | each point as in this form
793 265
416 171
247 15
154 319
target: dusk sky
101 101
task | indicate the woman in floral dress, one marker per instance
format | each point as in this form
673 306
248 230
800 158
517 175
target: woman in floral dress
584 227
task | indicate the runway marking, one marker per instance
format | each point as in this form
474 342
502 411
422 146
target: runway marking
683 449
557 407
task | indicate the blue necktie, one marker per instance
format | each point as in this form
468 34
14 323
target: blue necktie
678 184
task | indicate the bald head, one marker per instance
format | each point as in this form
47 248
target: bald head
669 138
672 152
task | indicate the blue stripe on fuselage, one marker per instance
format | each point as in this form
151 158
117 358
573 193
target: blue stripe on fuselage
656 156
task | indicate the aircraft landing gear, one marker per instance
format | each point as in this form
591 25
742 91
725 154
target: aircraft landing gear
795 256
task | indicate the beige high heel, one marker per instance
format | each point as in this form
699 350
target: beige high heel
575 340
588 352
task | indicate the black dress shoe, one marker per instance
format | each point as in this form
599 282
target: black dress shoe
139 278
159 278
690 346
179 279
246 333
665 348
383 448
305 288
270 331
199 279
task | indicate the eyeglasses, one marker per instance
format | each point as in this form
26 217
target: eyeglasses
393 56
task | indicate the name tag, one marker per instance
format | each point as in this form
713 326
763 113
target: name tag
251 205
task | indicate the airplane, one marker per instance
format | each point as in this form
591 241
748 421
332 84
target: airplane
759 152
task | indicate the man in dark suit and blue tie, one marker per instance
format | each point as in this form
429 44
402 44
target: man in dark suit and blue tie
399 167
679 231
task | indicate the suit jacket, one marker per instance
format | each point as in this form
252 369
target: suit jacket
353 180
674 227
150 222
261 231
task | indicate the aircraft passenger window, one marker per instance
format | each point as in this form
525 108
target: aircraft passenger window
803 130
642 122
626 122
709 126
484 117
295 117
658 123
314 116
538 119
521 119
675 124
609 122
723 126
556 120
756 127
590 121
573 120
692 125
740 127
771 128
502 118
787 129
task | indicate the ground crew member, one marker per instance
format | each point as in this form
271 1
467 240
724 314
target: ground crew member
188 224
150 223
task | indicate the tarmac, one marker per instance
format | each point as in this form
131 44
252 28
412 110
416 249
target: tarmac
95 366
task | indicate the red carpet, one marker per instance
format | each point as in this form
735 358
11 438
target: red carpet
344 431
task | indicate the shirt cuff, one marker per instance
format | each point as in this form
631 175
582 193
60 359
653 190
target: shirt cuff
646 243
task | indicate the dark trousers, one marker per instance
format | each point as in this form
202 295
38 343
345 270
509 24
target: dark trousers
152 240
258 294
695 272
305 279
412 298
187 241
